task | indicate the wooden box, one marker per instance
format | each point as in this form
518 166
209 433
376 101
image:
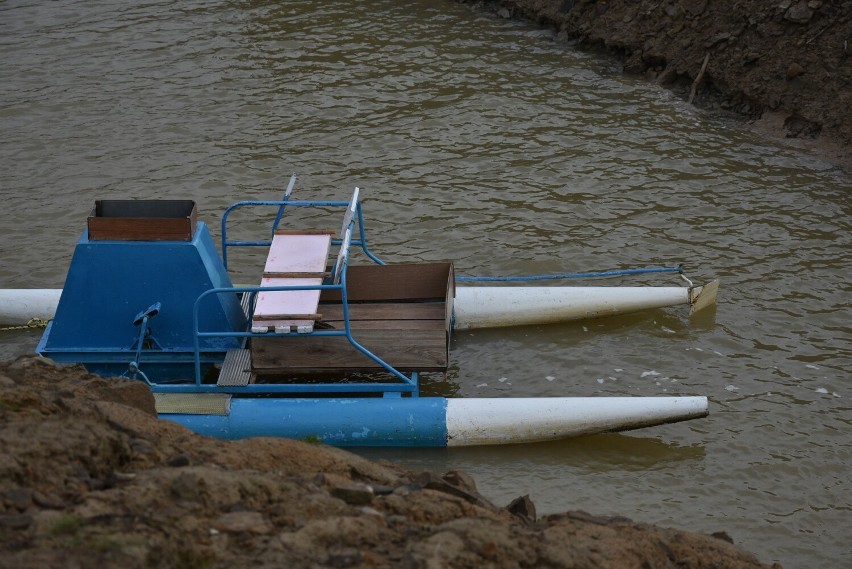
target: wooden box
402 313
143 220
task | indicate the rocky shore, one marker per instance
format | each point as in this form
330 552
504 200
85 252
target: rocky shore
784 66
89 477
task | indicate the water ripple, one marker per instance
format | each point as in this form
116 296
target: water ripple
485 142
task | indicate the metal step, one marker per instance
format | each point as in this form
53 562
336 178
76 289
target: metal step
244 303
236 369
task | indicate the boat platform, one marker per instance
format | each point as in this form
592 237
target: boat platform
400 313
313 316
318 349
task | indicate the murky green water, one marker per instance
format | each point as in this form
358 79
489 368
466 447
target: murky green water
487 143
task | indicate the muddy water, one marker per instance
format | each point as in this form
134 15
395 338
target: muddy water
484 142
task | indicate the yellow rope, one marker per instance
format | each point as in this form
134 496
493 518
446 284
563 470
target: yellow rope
33 323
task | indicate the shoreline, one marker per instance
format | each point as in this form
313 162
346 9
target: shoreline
91 477
785 70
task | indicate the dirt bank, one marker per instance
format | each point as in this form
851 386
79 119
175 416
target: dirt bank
786 66
89 477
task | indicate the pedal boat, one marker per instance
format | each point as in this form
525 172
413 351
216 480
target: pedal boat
318 350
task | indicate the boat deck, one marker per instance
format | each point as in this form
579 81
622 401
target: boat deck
401 313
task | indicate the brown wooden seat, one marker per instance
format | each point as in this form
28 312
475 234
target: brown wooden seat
401 313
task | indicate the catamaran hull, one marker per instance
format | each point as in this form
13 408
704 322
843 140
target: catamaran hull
18 306
494 307
431 421
474 307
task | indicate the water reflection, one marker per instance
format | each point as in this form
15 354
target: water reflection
558 467
583 455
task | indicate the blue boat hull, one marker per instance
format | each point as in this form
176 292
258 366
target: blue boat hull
378 421
422 421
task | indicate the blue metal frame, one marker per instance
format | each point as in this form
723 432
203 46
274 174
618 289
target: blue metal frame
361 242
409 385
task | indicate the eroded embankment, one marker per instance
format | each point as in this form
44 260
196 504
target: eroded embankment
89 477
786 65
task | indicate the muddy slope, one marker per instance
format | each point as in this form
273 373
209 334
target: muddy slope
89 477
785 64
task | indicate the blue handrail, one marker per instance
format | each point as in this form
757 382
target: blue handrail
409 384
360 242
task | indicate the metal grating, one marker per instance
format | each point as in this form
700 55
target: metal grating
244 303
193 403
236 369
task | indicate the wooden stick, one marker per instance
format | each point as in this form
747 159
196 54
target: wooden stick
698 79
305 231
265 317
294 275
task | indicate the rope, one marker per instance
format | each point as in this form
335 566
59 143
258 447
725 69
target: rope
33 323
621 273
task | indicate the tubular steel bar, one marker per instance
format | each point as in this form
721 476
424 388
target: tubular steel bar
286 198
360 242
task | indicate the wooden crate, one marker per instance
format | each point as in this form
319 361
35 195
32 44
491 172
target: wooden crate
143 220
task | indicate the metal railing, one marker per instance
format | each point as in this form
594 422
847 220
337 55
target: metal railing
360 242
405 384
